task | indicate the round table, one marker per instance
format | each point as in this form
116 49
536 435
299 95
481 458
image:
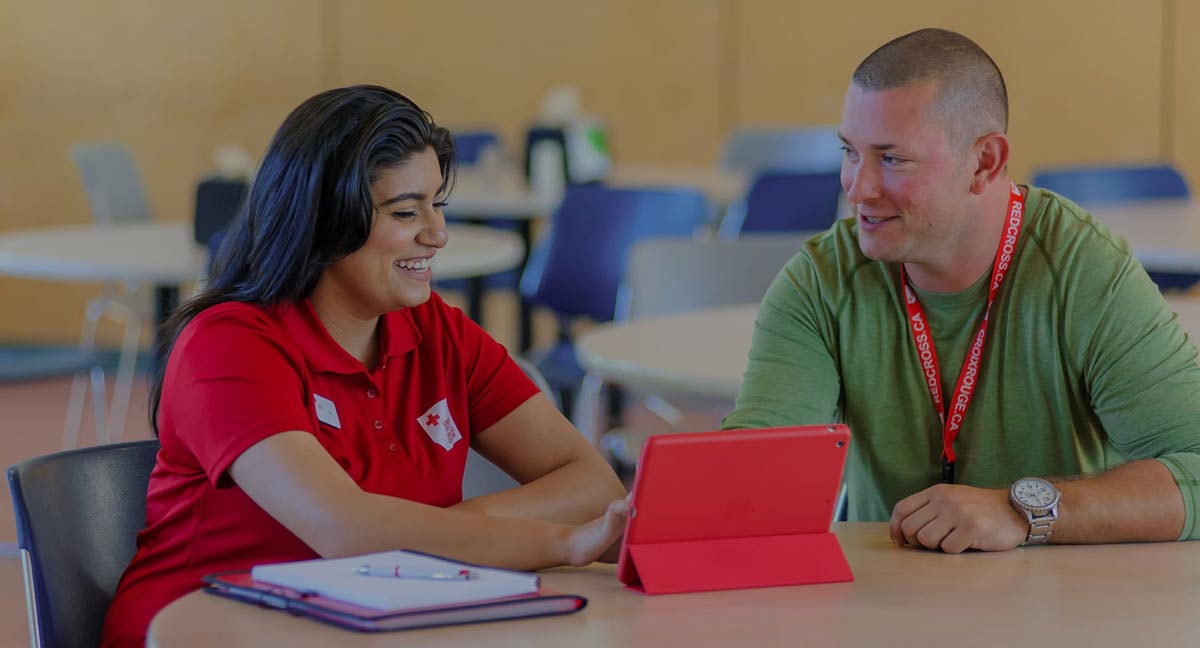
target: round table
1164 234
166 255
1098 595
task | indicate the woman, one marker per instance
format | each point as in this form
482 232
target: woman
319 400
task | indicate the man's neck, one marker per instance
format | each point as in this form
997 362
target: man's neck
975 254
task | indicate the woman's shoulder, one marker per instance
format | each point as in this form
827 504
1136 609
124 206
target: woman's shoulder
233 322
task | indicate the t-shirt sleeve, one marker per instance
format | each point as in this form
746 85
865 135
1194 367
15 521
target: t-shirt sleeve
496 385
231 383
1142 372
791 378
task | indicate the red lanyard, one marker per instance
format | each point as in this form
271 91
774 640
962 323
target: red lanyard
968 376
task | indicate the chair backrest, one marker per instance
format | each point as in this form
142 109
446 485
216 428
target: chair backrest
810 149
576 268
470 145
1096 185
667 276
217 202
78 514
785 202
481 476
111 180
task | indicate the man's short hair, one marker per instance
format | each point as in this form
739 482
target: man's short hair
972 93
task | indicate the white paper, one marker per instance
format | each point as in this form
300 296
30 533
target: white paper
336 579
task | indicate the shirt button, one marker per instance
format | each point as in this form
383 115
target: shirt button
392 447
378 424
370 393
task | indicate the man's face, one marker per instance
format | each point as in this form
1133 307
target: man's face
906 181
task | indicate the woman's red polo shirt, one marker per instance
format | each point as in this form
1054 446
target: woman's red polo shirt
240 373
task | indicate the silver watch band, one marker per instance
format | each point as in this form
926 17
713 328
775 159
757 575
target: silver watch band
1040 529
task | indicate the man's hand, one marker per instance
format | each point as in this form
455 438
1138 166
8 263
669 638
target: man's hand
954 518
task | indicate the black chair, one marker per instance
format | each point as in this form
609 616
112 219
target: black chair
217 202
78 514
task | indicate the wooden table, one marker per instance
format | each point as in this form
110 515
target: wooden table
1104 595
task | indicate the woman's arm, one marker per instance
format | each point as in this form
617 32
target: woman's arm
296 481
564 479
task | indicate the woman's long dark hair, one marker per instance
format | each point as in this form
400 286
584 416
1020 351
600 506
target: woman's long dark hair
310 204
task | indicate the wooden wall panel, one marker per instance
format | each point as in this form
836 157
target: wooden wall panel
171 81
1084 77
648 69
1184 136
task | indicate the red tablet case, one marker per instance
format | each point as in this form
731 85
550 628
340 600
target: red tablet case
736 509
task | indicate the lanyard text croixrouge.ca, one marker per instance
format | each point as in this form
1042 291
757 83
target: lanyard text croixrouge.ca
968 376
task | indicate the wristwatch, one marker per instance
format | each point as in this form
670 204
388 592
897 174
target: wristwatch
1038 500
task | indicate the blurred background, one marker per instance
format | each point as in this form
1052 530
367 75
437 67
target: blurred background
1089 80
193 89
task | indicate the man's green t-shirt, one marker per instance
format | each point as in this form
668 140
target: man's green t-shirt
1085 366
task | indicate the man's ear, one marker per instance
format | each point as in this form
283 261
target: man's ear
990 160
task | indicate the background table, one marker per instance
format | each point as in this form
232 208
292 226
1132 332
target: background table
165 255
1104 595
500 193
706 352
1164 234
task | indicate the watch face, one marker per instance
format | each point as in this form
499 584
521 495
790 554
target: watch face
1034 493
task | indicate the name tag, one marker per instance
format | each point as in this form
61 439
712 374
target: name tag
327 412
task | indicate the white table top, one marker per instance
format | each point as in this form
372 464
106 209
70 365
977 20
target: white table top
1164 234
706 352
496 193
165 253
722 187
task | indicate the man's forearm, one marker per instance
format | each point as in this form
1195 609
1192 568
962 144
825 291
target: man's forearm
1136 502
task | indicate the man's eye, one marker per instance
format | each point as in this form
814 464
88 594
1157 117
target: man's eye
441 205
404 214
890 159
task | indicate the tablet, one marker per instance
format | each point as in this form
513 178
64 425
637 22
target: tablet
739 508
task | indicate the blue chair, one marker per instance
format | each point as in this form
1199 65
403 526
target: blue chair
576 269
78 514
1099 185
1106 185
470 145
785 202
808 149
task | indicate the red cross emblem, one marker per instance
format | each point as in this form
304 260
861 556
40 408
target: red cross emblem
432 420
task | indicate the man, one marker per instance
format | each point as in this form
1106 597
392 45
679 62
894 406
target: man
973 333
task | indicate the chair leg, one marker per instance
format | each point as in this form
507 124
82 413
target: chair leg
125 372
588 408
98 397
87 343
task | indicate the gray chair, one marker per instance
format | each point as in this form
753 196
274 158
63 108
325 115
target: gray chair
78 514
482 476
665 277
116 196
796 149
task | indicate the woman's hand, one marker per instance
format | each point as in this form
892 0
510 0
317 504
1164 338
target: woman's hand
599 539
